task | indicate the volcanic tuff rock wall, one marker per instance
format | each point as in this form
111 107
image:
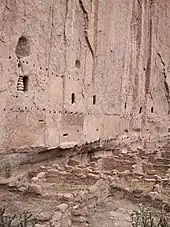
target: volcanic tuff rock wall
79 70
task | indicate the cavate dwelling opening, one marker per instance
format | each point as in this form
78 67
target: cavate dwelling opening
152 109
125 106
77 64
25 83
140 110
23 47
65 134
22 84
72 98
94 99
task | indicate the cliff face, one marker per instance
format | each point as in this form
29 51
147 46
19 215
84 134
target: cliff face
79 70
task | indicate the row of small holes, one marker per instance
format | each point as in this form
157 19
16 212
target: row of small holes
77 63
53 111
50 111
66 134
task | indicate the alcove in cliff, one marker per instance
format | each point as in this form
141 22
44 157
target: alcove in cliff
23 47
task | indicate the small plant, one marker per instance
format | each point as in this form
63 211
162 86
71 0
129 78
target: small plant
23 220
146 217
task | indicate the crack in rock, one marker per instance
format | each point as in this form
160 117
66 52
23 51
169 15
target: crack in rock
167 91
86 20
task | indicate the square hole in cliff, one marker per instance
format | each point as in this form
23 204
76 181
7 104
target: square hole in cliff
94 99
25 83
65 134
77 64
72 98
140 110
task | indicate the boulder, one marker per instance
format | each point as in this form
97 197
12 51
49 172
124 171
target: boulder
62 207
68 196
56 217
41 175
34 189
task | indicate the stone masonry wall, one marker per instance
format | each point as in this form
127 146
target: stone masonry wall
75 71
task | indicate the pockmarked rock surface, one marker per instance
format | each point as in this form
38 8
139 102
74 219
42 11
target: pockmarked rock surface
85 104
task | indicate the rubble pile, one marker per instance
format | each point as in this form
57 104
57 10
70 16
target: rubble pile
70 191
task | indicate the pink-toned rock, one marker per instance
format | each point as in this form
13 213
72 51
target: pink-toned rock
46 195
158 188
40 225
93 176
45 216
73 162
62 207
138 169
17 181
76 212
82 194
35 179
93 164
60 168
79 219
158 178
68 224
22 189
93 188
96 172
43 180
155 195
64 173
55 166
55 221
35 189
57 216
90 170
58 196
114 171
151 171
81 166
68 168
110 178
52 170
83 176
68 197
76 170
42 167
40 175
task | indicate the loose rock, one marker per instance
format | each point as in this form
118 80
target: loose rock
68 196
56 217
41 175
62 207
35 189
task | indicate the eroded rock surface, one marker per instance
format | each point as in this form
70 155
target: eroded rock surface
84 111
78 71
